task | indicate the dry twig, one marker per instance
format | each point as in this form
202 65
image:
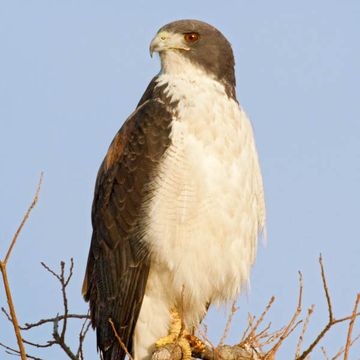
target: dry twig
61 341
290 327
28 326
332 321
3 264
234 309
58 338
11 351
324 352
301 337
251 319
118 338
261 319
342 349
84 329
64 282
351 326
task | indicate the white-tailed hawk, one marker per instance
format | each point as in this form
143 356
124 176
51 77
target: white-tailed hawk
178 202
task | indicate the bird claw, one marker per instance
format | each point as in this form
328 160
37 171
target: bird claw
177 335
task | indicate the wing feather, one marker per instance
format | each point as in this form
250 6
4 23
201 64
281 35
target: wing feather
118 263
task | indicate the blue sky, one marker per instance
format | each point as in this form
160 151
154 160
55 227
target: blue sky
71 72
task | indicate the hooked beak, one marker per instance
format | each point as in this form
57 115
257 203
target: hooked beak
167 41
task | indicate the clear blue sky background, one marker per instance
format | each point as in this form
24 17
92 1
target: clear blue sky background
71 72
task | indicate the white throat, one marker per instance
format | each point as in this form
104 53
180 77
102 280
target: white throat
185 81
174 63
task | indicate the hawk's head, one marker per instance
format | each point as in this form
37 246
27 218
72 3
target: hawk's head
186 43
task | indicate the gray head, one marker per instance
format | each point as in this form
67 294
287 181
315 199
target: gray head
200 43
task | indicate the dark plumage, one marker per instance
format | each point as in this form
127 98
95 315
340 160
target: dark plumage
118 263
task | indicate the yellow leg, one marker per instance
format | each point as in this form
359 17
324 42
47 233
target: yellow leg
177 335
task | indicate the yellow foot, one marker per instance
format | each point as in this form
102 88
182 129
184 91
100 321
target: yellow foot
177 335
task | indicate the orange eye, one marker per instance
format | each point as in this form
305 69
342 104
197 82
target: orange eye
191 37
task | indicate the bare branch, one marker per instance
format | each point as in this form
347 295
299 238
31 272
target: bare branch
342 349
331 316
70 272
234 309
64 283
251 319
272 337
290 327
59 340
5 277
29 326
301 337
34 202
351 326
12 351
254 328
326 356
84 329
118 338
51 271
332 320
48 344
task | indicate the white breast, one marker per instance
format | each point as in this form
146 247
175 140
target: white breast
204 220
208 208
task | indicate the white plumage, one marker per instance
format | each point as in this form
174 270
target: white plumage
209 206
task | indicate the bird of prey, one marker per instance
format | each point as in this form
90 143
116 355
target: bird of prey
179 203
